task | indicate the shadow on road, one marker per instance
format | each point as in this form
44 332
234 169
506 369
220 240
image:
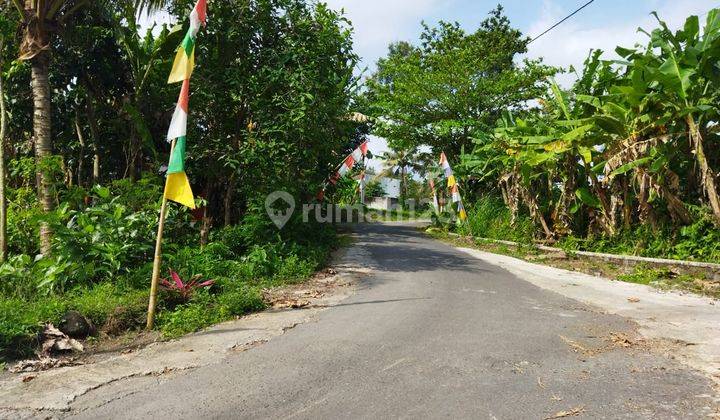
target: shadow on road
400 248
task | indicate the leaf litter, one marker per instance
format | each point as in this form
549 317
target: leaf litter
569 413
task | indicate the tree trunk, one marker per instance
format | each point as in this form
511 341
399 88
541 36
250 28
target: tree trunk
205 226
647 214
94 131
81 155
131 170
707 175
228 200
43 139
605 218
535 213
403 187
564 217
3 129
627 205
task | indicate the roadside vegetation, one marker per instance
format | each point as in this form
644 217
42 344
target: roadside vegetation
677 278
623 161
270 94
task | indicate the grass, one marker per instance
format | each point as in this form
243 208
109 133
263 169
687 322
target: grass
490 218
118 307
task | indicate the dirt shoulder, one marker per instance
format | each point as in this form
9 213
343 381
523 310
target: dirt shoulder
38 394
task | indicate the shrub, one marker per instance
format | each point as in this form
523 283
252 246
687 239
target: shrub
21 321
105 300
201 312
241 299
490 218
181 291
23 215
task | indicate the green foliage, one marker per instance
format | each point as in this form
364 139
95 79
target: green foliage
20 321
644 275
453 85
119 303
201 312
23 217
268 113
698 241
490 218
619 161
374 189
240 299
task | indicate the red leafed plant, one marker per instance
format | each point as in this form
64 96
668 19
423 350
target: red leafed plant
184 291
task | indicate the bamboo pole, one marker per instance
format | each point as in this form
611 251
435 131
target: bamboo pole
157 261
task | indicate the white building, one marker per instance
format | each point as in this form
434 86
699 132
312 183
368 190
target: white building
390 200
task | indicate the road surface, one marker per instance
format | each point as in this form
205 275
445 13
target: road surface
431 333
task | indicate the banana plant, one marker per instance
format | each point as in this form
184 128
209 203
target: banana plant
682 70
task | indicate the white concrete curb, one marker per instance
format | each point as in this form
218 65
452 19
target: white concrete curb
608 257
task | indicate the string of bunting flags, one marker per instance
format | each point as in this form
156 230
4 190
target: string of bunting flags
177 184
177 187
452 186
345 167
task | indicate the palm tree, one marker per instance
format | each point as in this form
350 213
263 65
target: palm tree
40 21
400 162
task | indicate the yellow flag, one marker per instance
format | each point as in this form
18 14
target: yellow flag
183 66
177 189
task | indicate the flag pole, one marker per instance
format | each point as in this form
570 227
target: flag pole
157 261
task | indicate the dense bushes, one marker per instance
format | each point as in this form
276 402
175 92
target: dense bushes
623 158
490 218
699 241
269 107
101 267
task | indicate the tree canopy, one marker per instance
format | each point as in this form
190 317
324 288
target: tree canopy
454 84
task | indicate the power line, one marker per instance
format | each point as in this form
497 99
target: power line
562 21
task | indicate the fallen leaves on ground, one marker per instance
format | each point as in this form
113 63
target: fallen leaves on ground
312 294
290 303
621 340
42 363
28 378
577 348
569 413
55 340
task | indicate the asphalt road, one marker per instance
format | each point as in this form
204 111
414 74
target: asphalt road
433 333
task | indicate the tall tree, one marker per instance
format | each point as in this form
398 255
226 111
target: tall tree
5 32
402 162
453 85
40 21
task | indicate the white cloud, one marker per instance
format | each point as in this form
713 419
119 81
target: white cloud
570 43
378 23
